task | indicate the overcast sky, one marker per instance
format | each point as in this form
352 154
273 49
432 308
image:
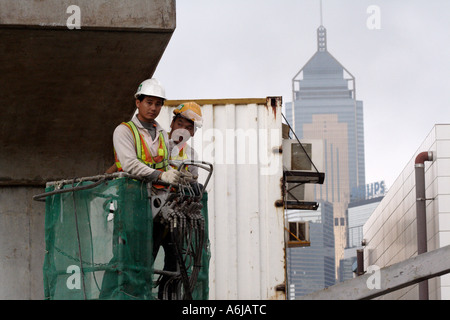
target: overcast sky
253 48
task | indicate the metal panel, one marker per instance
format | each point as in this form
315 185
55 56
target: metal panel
242 138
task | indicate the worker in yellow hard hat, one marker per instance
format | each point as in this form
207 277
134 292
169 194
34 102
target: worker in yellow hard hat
186 120
190 111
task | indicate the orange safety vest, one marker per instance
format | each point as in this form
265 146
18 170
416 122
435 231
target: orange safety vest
160 162
182 155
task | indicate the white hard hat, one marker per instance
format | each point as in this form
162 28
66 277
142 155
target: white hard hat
151 87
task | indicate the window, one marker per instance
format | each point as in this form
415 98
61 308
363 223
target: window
298 234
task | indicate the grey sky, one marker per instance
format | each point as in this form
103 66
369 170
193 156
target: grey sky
253 48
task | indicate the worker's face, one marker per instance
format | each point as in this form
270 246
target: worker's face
181 130
149 108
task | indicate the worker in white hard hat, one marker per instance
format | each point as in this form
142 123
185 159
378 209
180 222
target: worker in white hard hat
141 145
141 149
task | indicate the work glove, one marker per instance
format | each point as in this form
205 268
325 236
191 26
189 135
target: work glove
171 176
188 176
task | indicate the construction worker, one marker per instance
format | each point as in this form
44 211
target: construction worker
141 149
140 145
186 120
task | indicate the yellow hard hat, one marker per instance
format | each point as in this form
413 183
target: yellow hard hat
191 111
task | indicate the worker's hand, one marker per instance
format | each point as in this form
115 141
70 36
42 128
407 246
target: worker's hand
171 176
187 176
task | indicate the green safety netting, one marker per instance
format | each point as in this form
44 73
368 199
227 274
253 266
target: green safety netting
99 240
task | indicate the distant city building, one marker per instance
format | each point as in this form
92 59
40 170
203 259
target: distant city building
358 213
369 191
312 268
325 107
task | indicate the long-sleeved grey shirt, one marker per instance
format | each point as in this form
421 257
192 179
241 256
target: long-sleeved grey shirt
124 145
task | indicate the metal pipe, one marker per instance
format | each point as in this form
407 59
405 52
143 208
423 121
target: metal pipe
421 216
360 262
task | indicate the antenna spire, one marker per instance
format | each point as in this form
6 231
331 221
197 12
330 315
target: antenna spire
321 33
321 15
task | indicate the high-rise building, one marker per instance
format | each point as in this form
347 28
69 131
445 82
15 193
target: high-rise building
312 268
357 214
324 107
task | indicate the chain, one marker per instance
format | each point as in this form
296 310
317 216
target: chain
78 260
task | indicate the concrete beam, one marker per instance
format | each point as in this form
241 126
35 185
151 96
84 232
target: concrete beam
64 91
130 14
403 274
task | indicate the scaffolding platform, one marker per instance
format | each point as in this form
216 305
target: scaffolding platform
99 236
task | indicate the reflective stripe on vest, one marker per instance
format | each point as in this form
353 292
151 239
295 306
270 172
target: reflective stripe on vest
160 162
182 155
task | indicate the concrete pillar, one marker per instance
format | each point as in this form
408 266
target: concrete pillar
63 91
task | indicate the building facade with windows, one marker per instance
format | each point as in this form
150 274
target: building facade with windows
358 213
312 268
324 107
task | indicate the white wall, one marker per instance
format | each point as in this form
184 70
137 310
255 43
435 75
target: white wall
241 137
391 231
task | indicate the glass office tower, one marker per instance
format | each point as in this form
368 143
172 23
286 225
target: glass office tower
312 268
325 107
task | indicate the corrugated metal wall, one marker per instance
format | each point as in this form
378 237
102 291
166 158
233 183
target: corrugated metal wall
242 138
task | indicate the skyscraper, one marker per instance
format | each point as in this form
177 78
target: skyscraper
312 268
325 107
